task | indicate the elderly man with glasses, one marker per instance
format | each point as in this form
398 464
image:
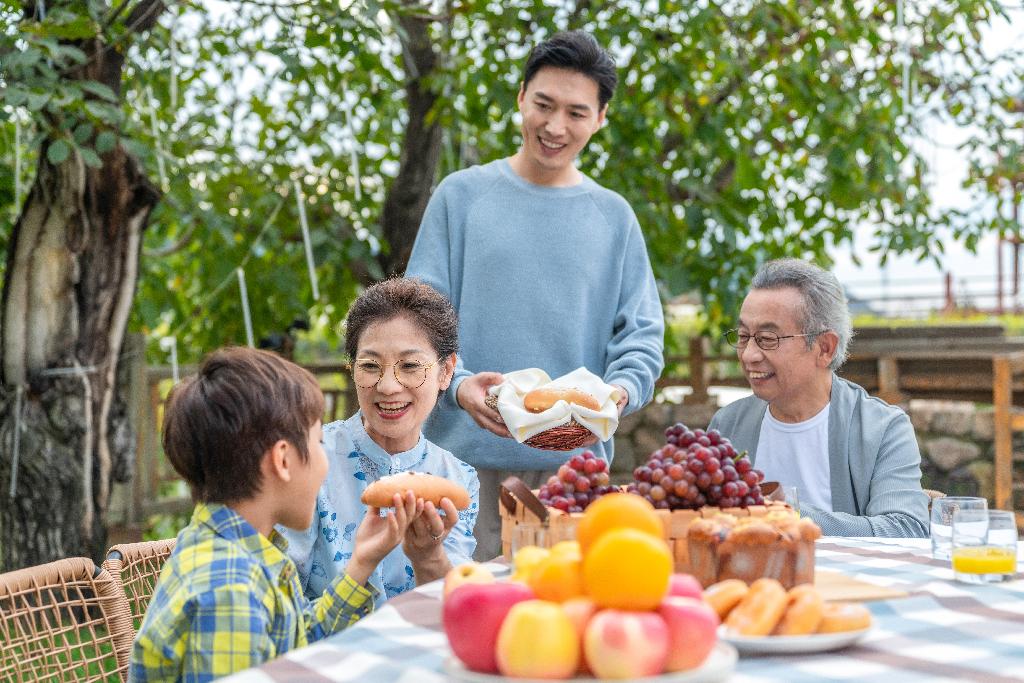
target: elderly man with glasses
853 457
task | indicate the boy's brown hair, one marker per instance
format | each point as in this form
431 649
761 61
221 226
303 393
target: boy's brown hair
220 422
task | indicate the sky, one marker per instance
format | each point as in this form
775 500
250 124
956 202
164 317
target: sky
973 274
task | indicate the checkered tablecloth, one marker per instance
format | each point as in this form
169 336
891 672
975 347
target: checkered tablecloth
942 631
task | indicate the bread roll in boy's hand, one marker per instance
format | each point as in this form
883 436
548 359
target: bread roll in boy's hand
426 486
539 400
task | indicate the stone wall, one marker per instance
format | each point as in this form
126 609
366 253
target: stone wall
958 447
956 440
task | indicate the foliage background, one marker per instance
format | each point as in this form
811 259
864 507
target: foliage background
740 131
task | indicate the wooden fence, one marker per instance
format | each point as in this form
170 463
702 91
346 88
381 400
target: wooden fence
973 363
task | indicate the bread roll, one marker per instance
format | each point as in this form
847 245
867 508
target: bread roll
539 400
760 609
803 612
843 616
426 486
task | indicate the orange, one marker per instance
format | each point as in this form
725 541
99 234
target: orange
614 511
627 569
557 578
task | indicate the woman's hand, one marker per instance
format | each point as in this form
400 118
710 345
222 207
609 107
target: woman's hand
377 536
424 539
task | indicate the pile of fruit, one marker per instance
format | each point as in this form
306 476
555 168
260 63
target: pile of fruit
579 482
606 604
697 468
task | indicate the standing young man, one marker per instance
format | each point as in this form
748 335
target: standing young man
547 269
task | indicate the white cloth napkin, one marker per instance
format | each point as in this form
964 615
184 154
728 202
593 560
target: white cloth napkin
523 424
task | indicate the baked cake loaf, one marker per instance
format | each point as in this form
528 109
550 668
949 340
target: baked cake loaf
778 545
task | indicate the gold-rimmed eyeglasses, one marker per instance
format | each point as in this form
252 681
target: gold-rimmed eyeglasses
411 374
766 341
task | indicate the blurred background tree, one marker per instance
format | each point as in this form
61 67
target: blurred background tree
740 131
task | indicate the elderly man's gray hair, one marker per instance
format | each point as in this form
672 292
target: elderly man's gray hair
825 306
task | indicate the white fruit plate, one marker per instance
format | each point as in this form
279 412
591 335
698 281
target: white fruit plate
792 645
717 667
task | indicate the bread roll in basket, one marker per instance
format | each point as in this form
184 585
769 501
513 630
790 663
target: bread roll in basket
567 437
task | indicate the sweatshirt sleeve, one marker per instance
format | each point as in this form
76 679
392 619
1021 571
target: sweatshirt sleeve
430 262
897 507
635 351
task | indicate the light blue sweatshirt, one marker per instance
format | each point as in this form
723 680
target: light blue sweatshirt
549 277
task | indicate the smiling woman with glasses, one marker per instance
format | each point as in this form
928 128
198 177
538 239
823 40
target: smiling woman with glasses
402 337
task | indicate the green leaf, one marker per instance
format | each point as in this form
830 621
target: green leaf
105 142
101 90
58 151
82 132
90 157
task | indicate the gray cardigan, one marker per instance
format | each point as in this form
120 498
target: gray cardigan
874 462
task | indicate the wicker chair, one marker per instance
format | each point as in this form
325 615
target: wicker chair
932 495
63 621
136 567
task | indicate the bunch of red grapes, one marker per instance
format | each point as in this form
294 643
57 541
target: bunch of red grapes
580 481
697 468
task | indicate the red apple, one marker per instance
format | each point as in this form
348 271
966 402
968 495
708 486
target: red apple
692 629
580 610
626 644
467 572
685 585
472 616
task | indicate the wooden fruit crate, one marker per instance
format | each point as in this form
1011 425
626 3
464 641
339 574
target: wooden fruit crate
547 528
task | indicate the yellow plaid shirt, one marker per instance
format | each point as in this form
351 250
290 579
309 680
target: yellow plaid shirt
229 598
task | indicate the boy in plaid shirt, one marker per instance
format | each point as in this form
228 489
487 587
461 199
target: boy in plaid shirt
245 433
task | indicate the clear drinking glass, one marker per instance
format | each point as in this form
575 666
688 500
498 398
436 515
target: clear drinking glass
984 546
942 521
524 535
792 495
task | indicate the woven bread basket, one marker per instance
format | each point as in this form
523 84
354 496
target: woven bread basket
565 437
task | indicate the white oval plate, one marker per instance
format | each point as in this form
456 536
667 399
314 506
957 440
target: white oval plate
792 645
717 667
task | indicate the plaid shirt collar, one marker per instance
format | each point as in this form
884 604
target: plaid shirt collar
228 524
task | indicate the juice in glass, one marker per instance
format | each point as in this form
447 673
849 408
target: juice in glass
985 559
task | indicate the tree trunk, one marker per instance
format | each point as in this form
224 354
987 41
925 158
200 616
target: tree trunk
72 268
407 197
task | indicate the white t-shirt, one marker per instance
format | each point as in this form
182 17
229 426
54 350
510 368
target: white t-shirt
796 454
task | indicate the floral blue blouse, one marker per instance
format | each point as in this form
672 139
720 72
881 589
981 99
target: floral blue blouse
355 460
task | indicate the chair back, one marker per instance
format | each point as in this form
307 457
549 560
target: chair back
932 495
63 621
136 567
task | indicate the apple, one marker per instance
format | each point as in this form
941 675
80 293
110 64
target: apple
685 585
626 644
467 572
538 640
692 629
472 616
580 610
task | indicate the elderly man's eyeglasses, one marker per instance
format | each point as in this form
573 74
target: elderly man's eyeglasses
410 374
767 341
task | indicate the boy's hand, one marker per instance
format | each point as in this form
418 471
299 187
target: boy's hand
377 536
427 532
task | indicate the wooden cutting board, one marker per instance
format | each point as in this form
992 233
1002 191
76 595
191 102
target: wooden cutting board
835 585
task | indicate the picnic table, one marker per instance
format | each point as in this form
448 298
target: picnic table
939 630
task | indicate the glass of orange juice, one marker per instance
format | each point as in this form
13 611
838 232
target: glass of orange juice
984 546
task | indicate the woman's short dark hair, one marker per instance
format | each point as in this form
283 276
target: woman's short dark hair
219 423
576 51
417 301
